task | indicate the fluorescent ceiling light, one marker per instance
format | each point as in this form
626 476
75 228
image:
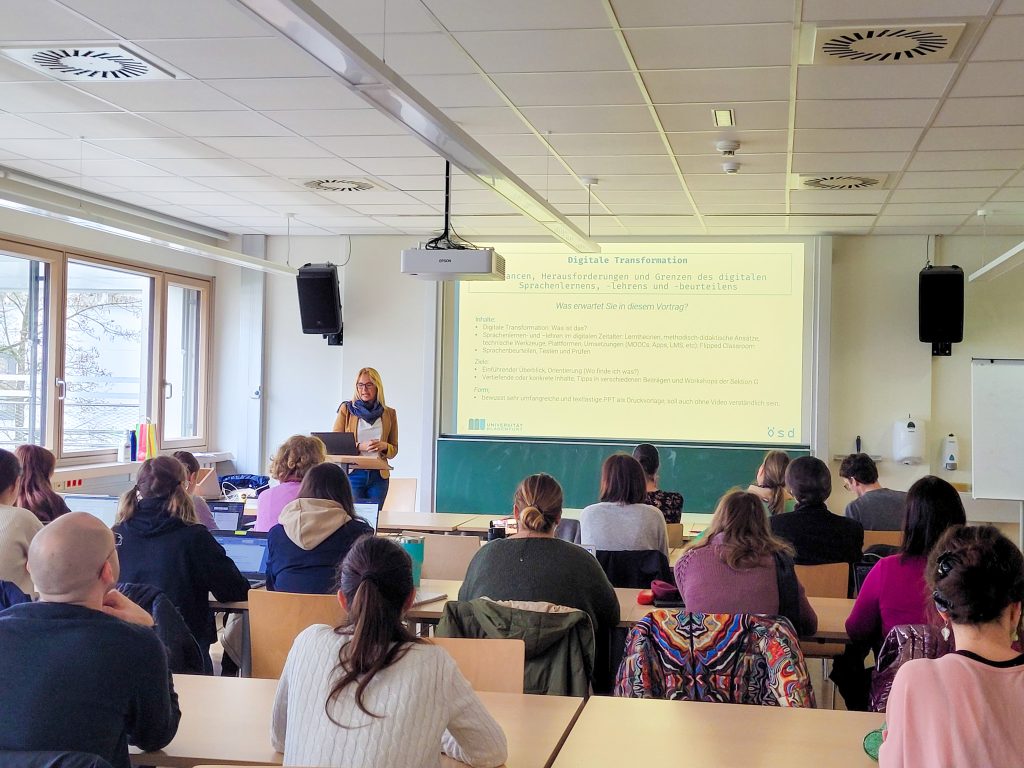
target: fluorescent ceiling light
305 24
724 118
1000 265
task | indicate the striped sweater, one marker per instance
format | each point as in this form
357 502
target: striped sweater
425 702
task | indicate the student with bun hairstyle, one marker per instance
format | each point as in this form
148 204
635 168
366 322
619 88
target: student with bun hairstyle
963 709
296 456
370 693
191 465
533 565
669 502
770 483
164 545
35 492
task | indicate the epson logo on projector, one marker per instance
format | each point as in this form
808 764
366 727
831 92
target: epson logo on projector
444 261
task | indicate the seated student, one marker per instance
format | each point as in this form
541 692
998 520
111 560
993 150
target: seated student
82 669
35 493
163 545
17 526
963 709
770 483
669 502
621 521
314 534
191 465
818 536
369 694
735 567
533 565
296 456
876 508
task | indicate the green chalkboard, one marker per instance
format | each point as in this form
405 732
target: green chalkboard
480 475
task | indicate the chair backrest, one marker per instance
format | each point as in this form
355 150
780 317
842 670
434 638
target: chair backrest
891 538
401 495
277 618
675 535
903 643
489 665
831 580
634 569
732 658
447 557
184 656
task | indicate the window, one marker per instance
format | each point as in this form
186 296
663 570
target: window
185 352
24 345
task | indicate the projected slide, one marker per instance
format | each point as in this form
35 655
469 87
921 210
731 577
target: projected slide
690 342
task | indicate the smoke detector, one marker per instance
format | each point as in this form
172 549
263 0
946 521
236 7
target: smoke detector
886 44
727 147
341 185
840 181
88 63
731 167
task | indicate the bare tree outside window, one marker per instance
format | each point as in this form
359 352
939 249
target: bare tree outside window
24 331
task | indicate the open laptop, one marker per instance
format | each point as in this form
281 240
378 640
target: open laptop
103 507
248 550
227 514
338 443
369 513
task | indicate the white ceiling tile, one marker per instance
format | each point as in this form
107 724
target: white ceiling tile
456 90
114 167
275 147
483 120
926 179
204 167
495 207
568 144
217 123
14 127
744 208
837 207
612 197
247 183
618 164
104 125
993 110
679 220
646 182
336 221
399 166
659 13
309 213
160 96
749 164
433 183
750 115
562 50
297 197
514 144
705 47
359 16
919 221
855 139
15 72
182 18
27 98
870 81
279 93
1006 229
407 222
738 182
990 78
838 196
146 149
848 162
1001 41
760 197
715 85
929 209
38 168
934 229
963 194
336 122
156 184
1011 6
375 146
378 205
864 113
53 149
1016 181
208 197
828 223
138 198
471 15
25 20
570 89
968 160
753 222
620 119
751 142
308 168
840 10
974 137
425 53
255 57
239 210
1008 195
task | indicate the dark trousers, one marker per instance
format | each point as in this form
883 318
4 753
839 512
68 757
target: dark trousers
368 487
852 680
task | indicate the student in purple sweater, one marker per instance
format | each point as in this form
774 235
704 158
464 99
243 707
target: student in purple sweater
733 567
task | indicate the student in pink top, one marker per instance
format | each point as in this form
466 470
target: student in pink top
894 592
296 456
963 709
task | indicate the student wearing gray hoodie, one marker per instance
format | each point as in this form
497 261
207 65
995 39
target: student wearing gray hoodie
314 533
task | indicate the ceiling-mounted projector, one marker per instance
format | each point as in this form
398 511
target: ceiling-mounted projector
453 264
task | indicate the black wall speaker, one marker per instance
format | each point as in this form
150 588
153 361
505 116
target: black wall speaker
940 316
319 299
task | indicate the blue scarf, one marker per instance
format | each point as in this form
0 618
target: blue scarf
368 412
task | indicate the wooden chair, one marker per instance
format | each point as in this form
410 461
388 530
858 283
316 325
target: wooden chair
401 495
675 535
447 557
832 580
892 538
277 618
489 664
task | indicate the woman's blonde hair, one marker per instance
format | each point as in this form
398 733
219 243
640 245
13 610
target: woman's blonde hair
539 501
162 477
773 477
296 456
746 538
375 377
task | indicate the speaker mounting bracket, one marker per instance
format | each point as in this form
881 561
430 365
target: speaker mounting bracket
942 348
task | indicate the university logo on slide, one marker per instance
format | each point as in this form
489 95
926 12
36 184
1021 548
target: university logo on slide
477 424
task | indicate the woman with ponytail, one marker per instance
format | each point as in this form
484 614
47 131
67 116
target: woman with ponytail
770 484
163 544
369 694
534 565
35 492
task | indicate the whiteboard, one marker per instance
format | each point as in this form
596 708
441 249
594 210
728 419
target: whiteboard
997 429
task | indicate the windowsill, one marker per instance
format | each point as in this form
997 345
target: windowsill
106 469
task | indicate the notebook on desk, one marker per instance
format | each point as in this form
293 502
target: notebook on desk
103 507
227 514
248 551
423 597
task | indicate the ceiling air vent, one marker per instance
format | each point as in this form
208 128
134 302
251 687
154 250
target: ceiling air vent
341 185
840 181
886 44
87 63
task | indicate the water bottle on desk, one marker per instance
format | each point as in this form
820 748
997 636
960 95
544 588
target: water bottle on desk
413 544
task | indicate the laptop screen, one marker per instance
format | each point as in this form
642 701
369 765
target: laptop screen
103 507
368 512
249 553
226 514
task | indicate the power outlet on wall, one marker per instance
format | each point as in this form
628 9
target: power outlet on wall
66 485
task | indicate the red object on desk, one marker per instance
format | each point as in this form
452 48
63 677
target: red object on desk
645 597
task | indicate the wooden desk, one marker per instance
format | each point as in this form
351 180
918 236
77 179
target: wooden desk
227 720
617 732
426 522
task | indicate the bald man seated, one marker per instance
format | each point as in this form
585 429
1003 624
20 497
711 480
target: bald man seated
82 668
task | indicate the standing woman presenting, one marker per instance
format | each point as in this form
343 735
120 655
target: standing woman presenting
375 428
